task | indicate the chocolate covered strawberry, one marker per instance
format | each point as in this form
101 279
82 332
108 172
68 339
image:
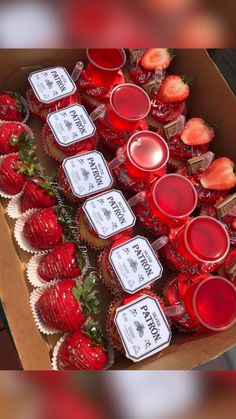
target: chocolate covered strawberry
11 107
15 168
63 262
82 350
43 229
66 305
13 135
38 193
193 141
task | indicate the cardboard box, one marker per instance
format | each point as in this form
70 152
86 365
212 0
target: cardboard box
211 99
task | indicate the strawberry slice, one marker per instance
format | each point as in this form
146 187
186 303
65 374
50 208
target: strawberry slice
66 305
173 89
63 262
156 58
197 132
220 175
80 351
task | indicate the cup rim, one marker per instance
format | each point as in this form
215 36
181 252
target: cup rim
135 164
215 329
123 54
190 250
166 213
137 88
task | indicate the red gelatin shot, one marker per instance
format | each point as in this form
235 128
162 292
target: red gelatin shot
199 246
140 161
208 304
125 114
168 204
101 75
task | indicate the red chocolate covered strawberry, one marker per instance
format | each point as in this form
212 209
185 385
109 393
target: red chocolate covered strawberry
11 107
119 301
15 169
37 194
63 262
13 135
43 229
65 306
193 141
82 350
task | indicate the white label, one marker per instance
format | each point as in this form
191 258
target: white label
109 213
71 125
51 84
135 264
143 328
87 173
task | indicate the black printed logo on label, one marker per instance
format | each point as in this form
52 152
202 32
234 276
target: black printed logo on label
87 173
52 84
109 213
143 328
135 264
71 125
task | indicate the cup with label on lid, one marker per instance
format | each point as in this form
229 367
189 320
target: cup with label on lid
52 89
84 175
104 218
131 264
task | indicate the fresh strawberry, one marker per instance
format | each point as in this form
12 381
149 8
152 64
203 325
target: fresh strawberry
11 108
82 351
65 306
37 194
63 262
197 132
173 89
43 229
12 135
11 180
220 175
156 58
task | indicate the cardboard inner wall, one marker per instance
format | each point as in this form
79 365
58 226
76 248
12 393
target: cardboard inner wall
211 99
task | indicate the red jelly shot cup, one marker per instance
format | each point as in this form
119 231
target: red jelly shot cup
169 203
140 161
104 64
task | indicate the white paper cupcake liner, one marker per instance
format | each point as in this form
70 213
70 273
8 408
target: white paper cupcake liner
19 236
32 271
13 207
110 351
26 108
2 193
55 352
34 296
